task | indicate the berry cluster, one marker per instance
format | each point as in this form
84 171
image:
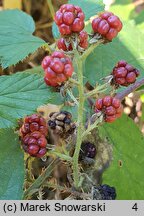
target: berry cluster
66 45
70 19
110 107
33 134
61 123
58 68
104 192
124 74
107 24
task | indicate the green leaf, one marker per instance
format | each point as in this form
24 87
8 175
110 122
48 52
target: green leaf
55 31
16 39
128 45
128 149
89 7
21 94
124 10
11 166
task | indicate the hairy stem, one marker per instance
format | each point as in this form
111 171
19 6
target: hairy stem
80 120
92 126
130 89
97 90
40 180
90 49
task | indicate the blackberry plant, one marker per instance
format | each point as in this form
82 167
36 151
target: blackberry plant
65 118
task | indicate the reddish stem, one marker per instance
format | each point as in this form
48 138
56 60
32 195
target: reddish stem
130 89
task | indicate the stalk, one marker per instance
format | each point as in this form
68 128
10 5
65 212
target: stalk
80 120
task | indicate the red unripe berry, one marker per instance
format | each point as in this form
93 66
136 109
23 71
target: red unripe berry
121 63
81 16
58 18
41 153
34 126
114 22
59 70
46 62
110 107
50 73
99 104
131 77
110 119
31 141
95 23
112 33
64 29
42 142
77 25
107 24
57 65
65 45
58 54
110 111
106 15
70 19
103 27
33 149
124 74
62 45
107 100
120 72
116 103
120 81
129 67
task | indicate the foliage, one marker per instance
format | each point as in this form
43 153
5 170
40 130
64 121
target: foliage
21 94
16 39
126 170
11 166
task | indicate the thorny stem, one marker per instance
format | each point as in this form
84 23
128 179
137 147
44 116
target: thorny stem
72 97
80 120
62 156
130 89
98 89
40 180
73 81
90 49
69 190
92 126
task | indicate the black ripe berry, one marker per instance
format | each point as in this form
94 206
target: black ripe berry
104 192
87 150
